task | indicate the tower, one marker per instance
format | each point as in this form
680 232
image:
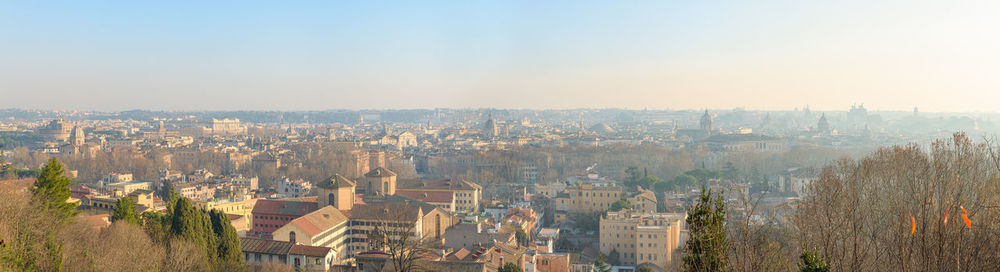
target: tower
337 191
706 122
380 181
823 125
490 129
76 137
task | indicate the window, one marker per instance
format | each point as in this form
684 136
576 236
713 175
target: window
291 237
332 199
319 261
297 262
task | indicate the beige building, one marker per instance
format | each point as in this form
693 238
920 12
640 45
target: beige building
467 194
336 191
380 181
326 227
641 238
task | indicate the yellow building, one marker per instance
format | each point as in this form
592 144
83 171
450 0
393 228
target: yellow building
589 197
641 238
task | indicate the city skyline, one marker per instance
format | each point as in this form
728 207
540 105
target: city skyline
774 55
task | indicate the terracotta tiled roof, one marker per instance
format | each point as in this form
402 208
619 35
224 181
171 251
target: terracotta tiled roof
320 220
264 246
429 196
336 181
312 251
380 172
284 207
440 184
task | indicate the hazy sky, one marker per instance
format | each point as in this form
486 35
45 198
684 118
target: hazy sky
292 55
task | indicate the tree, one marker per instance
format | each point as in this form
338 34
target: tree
707 249
521 236
648 181
51 190
229 253
564 244
812 263
614 257
191 224
620 205
683 181
511 267
125 210
600 265
644 268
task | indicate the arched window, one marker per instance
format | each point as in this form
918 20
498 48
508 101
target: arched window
385 187
297 262
332 199
438 224
291 238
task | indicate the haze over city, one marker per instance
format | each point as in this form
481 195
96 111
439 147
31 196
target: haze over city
499 136
303 55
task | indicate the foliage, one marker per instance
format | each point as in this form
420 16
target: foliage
858 212
707 248
125 210
521 236
228 242
620 205
51 190
614 257
600 265
511 267
587 221
812 263
563 244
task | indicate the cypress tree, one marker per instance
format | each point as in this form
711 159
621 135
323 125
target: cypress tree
125 210
707 249
51 190
193 225
230 255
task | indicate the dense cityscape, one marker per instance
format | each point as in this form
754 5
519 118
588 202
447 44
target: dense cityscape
499 136
460 190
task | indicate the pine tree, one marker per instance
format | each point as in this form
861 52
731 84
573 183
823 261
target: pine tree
600 265
125 210
707 248
511 267
229 253
812 263
51 190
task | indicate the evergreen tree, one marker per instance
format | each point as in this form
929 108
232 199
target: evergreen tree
707 248
619 205
228 246
51 190
192 224
614 257
812 263
511 267
521 236
600 265
125 210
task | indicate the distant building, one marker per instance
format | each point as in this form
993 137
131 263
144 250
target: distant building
467 194
57 130
294 188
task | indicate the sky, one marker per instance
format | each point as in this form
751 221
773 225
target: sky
318 55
